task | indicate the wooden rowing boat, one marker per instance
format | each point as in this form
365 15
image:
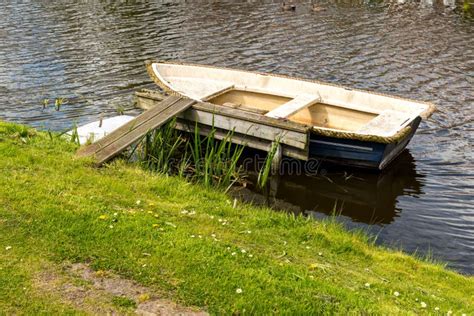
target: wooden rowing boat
347 125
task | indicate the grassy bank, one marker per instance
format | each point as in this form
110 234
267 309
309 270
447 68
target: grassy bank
189 244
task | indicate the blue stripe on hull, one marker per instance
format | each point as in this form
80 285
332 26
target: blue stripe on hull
353 152
359 153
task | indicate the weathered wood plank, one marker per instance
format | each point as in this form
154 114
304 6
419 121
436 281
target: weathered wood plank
120 132
219 92
245 108
137 132
240 139
297 104
252 117
289 137
241 112
146 103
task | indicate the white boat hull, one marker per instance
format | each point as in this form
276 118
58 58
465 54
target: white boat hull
94 131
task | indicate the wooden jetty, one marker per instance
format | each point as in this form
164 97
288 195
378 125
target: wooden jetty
250 127
114 143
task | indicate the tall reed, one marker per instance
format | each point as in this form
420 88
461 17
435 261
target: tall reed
204 159
160 148
264 172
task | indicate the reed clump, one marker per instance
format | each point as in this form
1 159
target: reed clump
205 159
266 171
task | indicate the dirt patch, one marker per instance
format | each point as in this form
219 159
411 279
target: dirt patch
98 292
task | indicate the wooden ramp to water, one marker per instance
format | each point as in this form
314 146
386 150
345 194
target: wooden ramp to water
114 143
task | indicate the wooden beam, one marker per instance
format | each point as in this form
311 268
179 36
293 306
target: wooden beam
150 94
240 139
251 117
146 99
267 132
245 108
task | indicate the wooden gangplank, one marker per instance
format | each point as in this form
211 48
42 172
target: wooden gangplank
117 141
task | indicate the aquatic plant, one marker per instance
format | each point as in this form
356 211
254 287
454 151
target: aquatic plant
75 136
160 147
45 103
120 109
207 159
264 172
58 102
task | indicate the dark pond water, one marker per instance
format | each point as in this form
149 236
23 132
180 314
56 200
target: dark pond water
92 54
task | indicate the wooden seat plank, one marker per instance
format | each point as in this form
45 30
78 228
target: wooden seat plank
297 104
387 123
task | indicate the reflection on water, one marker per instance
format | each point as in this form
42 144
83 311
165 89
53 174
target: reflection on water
92 53
360 195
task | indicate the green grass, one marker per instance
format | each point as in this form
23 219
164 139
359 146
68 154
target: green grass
188 243
123 302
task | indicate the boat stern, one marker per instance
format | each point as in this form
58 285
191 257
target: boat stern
360 153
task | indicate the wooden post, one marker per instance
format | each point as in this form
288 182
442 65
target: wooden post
273 184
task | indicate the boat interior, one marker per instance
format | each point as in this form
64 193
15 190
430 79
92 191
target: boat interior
309 110
318 105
